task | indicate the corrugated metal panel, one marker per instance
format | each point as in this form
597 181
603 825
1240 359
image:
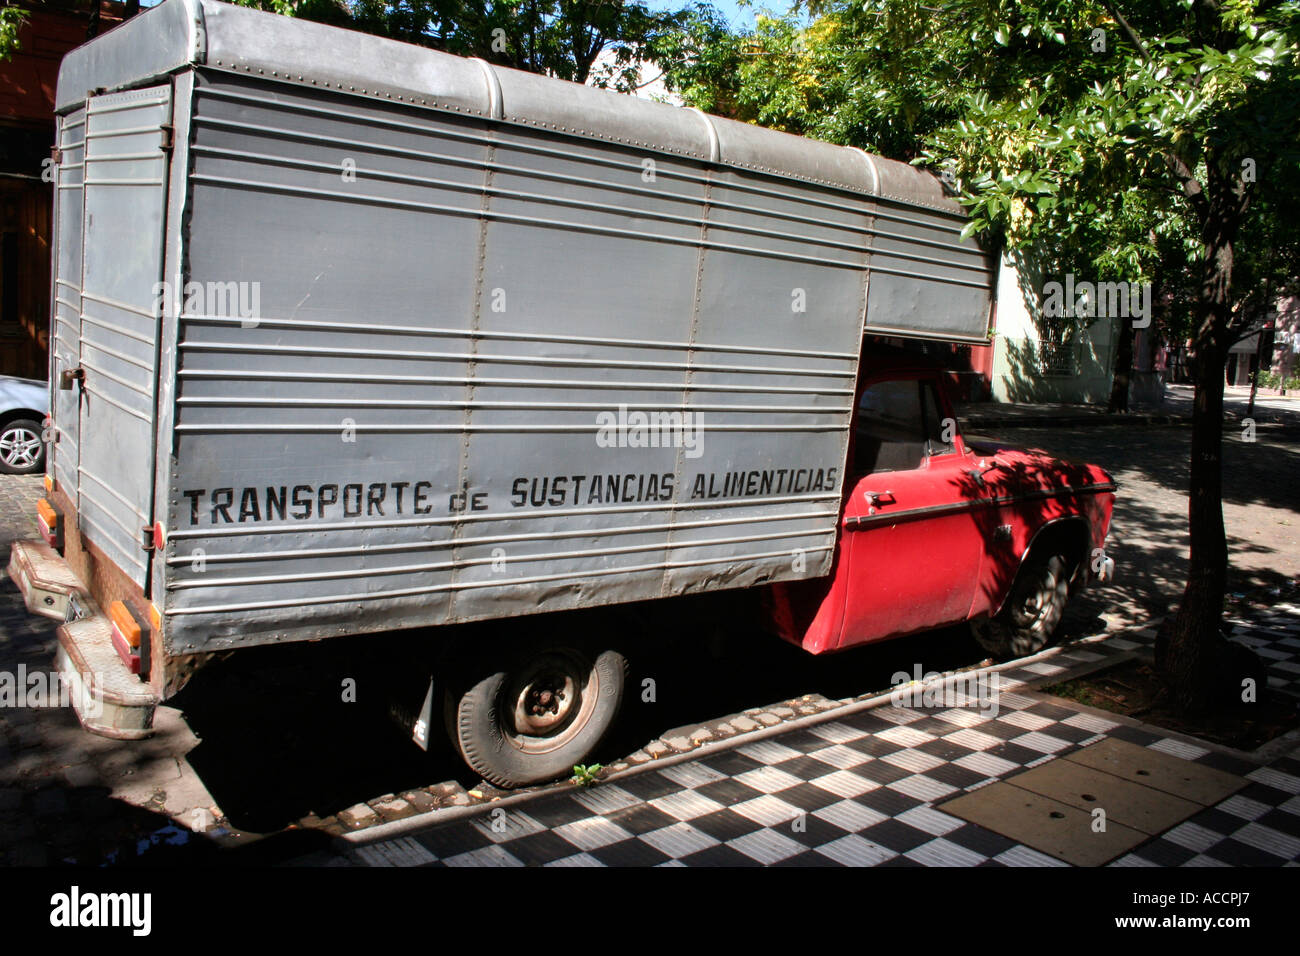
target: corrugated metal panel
472 301
125 200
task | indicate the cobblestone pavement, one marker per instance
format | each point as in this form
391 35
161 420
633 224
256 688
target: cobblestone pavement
292 760
869 789
66 794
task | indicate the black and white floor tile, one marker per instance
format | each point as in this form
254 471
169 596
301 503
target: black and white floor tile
861 790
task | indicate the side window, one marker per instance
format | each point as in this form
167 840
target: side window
939 440
890 433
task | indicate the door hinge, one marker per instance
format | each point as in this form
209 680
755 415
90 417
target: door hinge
70 375
146 538
56 155
168 137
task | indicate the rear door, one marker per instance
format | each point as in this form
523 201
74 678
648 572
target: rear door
69 210
125 203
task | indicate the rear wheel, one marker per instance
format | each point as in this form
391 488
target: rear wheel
545 709
1033 610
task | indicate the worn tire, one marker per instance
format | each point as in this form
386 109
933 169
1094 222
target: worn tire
492 723
1033 610
21 449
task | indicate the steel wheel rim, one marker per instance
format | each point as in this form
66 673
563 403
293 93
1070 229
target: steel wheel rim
561 720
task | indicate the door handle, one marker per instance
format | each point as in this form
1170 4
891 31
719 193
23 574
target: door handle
879 497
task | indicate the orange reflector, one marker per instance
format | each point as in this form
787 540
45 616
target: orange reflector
49 485
155 617
124 624
45 511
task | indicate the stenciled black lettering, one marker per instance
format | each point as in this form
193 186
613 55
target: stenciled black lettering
222 499
302 499
194 503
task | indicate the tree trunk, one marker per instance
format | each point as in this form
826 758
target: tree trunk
1123 368
1191 651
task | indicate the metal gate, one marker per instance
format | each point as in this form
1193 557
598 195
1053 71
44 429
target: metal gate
125 204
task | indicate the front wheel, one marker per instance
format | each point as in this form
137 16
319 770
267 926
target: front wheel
539 714
1033 610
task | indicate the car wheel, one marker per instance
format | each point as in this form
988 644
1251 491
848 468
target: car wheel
21 450
538 715
1032 613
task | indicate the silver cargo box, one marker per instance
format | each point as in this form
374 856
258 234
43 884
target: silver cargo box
383 337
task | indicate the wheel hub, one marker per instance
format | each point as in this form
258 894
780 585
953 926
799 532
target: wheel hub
545 703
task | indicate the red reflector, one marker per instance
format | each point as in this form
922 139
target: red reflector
130 637
132 661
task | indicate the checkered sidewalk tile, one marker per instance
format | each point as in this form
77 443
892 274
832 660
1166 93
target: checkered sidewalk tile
855 791
861 790
1275 637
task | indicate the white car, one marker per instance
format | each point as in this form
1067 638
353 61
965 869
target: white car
24 405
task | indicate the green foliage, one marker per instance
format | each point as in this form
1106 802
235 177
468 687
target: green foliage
11 21
585 776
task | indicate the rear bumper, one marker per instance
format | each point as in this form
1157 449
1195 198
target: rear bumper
108 699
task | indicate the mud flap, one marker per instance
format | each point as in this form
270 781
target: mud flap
420 732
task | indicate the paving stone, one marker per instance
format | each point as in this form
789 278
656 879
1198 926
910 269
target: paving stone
767 719
358 817
744 724
422 800
393 808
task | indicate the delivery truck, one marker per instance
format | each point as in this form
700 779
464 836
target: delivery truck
350 336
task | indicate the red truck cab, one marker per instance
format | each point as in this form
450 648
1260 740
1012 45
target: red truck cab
935 531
